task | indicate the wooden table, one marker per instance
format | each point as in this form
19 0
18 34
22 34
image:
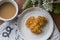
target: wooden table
55 17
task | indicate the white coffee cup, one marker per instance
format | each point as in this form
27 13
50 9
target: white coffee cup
16 6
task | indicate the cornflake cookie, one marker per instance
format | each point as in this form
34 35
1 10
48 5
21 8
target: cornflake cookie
36 24
30 21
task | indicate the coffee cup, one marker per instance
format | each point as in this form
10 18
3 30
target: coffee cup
16 7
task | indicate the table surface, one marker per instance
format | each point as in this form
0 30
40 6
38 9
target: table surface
56 17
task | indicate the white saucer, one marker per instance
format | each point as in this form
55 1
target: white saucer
35 11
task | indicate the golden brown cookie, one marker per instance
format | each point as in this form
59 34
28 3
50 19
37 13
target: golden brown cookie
36 24
30 21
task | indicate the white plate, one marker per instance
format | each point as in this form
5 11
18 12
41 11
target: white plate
35 11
